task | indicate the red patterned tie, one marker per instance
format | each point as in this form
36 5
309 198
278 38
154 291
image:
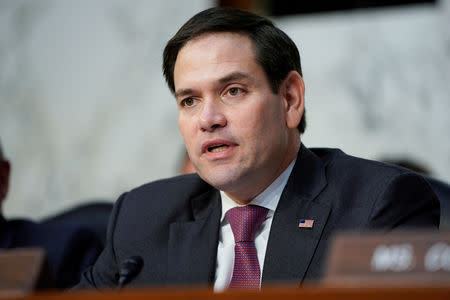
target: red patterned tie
245 221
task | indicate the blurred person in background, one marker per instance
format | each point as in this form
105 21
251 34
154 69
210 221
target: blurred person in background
441 188
262 207
69 249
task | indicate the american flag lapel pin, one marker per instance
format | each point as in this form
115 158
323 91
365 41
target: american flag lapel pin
306 223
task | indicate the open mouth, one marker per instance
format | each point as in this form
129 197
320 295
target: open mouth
218 148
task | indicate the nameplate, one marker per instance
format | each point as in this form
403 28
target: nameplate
398 258
21 271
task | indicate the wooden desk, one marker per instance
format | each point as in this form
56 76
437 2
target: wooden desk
277 293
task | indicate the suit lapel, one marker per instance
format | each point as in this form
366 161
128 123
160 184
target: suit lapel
193 244
291 248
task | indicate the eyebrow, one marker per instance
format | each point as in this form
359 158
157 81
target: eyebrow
235 76
183 92
230 77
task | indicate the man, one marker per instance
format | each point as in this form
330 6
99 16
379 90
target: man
69 249
263 207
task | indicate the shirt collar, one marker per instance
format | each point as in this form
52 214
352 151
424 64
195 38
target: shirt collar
268 198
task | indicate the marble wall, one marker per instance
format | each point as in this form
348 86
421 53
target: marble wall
378 82
85 113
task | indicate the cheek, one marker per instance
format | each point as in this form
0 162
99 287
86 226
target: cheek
251 116
265 119
267 126
252 130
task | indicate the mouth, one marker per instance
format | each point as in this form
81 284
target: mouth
218 148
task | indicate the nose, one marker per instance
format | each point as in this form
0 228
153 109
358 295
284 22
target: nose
211 116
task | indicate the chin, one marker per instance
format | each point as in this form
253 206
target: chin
223 180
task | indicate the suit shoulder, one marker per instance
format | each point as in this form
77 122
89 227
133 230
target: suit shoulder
165 194
349 171
182 184
338 161
384 195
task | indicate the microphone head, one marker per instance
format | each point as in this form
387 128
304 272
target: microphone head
131 266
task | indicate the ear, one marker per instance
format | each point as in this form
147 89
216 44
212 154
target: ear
292 91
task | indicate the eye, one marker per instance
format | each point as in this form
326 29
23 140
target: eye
234 91
188 102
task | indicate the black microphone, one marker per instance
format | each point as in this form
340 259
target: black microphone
129 269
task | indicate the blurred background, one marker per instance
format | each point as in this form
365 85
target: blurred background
85 113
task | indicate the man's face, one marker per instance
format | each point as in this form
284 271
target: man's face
233 125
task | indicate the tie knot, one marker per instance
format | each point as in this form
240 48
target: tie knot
245 221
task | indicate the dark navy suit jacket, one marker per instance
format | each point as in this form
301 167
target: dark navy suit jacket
173 224
69 249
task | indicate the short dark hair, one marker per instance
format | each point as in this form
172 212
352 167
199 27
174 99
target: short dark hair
274 50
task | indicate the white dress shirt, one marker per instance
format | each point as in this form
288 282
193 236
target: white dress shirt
269 199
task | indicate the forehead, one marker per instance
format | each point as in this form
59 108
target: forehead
213 55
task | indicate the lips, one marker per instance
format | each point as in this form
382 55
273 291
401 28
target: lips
216 146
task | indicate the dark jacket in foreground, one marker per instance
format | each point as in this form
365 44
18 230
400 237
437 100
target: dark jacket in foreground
68 249
173 224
